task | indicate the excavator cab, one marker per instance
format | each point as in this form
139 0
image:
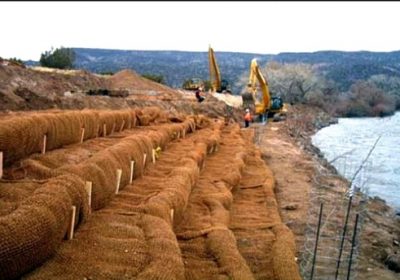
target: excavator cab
277 103
225 86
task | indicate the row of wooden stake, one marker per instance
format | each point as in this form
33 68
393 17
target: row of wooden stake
44 144
89 185
83 134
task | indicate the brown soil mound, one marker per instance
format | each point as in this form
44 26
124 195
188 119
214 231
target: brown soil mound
28 89
142 88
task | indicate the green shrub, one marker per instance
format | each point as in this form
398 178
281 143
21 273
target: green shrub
62 58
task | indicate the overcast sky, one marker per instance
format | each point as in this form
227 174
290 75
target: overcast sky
27 29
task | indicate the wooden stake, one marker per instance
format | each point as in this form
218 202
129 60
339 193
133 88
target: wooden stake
132 169
72 223
183 133
216 148
104 130
153 155
179 134
134 121
172 215
1 165
122 126
88 188
82 134
119 174
144 159
44 144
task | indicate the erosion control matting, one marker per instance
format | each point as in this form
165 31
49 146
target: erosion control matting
205 209
132 237
36 210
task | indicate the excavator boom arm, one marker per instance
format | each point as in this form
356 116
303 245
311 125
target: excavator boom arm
249 98
215 75
266 100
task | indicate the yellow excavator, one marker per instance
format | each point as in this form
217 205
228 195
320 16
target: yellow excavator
268 107
193 84
218 85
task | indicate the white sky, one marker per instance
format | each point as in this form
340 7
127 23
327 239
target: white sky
29 28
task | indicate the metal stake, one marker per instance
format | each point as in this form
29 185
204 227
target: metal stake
316 241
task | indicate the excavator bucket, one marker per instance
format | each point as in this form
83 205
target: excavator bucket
248 100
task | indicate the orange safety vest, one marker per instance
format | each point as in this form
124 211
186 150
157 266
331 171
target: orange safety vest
247 117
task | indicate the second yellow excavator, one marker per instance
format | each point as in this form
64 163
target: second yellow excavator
267 107
218 85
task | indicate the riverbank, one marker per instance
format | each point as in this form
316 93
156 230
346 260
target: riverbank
288 151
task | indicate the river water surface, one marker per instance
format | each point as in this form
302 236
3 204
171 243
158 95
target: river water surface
348 144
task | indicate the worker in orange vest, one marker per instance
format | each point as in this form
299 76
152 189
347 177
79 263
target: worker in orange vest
247 118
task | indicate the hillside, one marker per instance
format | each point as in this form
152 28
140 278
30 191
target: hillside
176 66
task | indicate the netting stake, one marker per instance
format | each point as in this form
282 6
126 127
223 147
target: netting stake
132 168
216 148
1 165
153 155
82 134
144 160
72 223
353 245
122 126
88 188
179 135
343 237
44 144
119 174
104 130
172 215
316 241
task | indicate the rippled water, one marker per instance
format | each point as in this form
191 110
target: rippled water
349 142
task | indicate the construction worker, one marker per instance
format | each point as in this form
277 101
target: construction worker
247 118
199 96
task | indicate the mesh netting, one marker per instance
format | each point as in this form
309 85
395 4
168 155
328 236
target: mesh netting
35 223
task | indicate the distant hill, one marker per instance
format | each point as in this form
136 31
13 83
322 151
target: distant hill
176 66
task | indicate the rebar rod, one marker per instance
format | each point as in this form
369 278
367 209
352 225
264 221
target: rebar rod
316 241
343 237
353 244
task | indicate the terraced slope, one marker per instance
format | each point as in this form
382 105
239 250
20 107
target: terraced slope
205 209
